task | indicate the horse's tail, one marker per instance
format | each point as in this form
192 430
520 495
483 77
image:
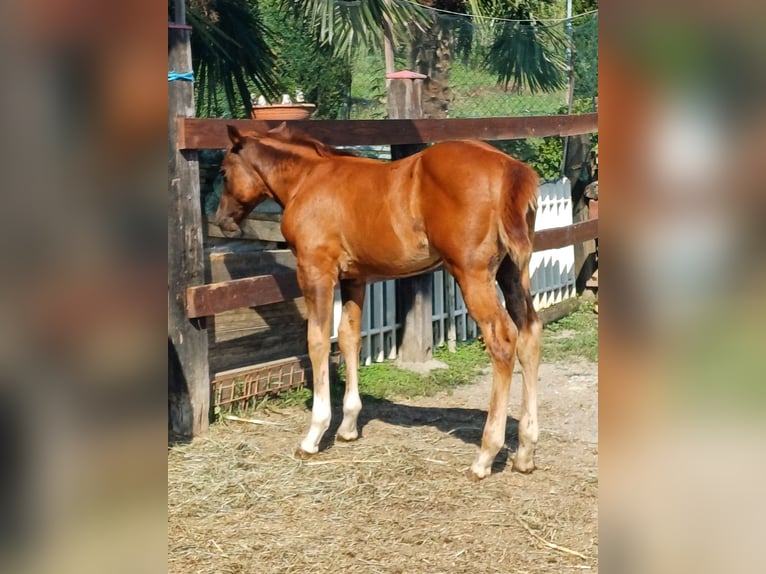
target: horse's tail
518 211
517 232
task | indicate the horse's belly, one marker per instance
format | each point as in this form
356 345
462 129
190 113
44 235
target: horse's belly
389 266
391 247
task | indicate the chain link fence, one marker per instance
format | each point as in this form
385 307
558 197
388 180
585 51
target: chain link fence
462 58
467 78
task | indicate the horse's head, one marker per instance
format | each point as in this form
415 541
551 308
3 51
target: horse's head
243 188
261 166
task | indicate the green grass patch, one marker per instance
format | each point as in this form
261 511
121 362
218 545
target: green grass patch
573 336
382 380
385 380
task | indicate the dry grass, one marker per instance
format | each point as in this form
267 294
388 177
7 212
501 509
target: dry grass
395 502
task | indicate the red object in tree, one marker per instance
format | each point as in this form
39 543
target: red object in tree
405 75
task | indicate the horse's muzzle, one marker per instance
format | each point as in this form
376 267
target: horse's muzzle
228 227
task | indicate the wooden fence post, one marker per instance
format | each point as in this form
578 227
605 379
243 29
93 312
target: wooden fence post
188 373
405 102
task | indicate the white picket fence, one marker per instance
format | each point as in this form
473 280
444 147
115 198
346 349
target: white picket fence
552 271
552 278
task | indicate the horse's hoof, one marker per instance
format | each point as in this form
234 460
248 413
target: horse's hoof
302 454
340 438
474 476
524 468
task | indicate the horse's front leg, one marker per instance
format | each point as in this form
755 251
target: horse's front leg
349 341
318 287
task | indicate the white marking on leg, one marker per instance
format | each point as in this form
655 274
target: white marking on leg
318 293
493 437
320 421
352 405
529 349
349 341
491 443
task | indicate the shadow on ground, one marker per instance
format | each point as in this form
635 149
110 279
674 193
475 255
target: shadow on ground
464 424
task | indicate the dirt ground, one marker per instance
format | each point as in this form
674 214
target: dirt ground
397 500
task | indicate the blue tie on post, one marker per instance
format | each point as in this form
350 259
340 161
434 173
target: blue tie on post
188 76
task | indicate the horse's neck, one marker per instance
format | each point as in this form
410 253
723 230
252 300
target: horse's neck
285 177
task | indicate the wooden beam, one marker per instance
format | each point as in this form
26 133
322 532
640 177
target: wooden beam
198 133
559 310
188 376
250 292
268 230
568 235
205 300
253 228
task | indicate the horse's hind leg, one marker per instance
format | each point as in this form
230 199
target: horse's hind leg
514 283
528 351
500 336
349 341
318 288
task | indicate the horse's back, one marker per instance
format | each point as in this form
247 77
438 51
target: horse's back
401 217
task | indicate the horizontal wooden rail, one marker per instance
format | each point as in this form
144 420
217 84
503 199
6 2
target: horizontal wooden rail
266 289
249 292
199 133
556 237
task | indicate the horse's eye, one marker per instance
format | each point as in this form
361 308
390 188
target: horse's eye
222 174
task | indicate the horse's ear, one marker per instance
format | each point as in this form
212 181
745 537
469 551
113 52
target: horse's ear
234 135
281 128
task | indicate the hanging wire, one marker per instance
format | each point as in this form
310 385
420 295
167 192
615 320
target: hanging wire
495 18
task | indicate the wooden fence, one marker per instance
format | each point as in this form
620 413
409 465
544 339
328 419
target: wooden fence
198 300
191 301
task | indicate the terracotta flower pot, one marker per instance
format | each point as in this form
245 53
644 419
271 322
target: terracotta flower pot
283 112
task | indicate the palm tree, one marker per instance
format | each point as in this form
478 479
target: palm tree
351 24
522 54
230 43
230 54
431 53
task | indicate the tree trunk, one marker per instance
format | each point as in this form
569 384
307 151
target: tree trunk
431 54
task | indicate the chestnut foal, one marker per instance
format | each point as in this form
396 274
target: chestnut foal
354 220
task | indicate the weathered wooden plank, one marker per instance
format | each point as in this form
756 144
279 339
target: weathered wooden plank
268 230
188 379
568 235
559 310
249 335
257 229
250 292
253 228
198 133
253 335
282 286
234 259
245 321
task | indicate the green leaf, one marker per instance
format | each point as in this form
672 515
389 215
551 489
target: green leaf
230 55
528 54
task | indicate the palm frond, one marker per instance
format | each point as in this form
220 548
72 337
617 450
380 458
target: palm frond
230 53
348 25
528 54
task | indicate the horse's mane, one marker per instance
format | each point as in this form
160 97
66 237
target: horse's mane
293 136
